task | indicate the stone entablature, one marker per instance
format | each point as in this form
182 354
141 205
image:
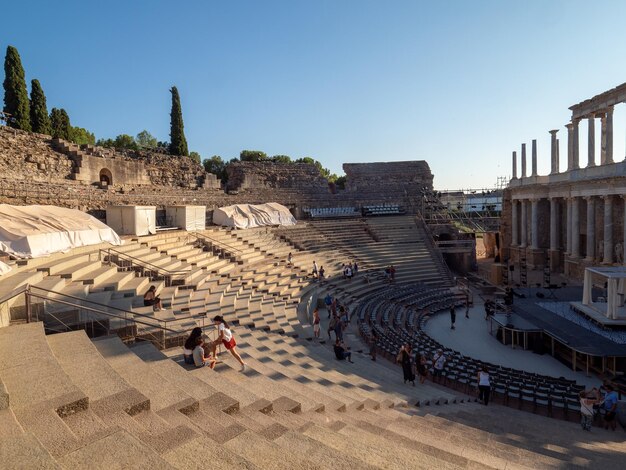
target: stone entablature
388 176
600 102
266 175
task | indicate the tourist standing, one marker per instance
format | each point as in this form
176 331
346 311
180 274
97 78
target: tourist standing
452 317
439 362
404 357
331 326
289 259
328 301
586 410
392 272
610 407
315 269
467 308
422 370
373 344
355 268
316 323
484 385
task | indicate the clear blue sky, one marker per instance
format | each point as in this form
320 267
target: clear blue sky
459 84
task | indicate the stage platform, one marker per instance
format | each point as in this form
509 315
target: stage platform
598 316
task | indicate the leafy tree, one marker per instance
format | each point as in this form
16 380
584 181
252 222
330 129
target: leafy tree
81 136
146 140
305 160
324 172
178 143
108 143
15 95
163 145
122 141
195 156
253 156
39 119
340 181
281 159
60 123
215 165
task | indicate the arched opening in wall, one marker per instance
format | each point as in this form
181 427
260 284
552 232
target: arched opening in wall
106 178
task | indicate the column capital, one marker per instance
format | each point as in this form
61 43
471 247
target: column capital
569 126
607 197
553 132
609 109
588 198
591 115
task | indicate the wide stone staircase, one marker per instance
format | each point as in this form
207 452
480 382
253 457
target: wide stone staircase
100 404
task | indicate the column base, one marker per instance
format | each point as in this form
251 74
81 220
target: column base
536 258
556 261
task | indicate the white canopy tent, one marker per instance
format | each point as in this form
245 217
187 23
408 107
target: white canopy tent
249 216
35 231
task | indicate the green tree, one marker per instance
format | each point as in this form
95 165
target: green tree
253 156
215 165
178 143
125 141
81 136
281 159
15 95
195 156
305 160
340 182
108 143
146 140
39 118
60 123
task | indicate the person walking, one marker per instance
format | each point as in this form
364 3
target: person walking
484 385
227 339
439 362
452 317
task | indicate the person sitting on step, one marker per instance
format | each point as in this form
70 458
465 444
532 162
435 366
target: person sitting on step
341 351
151 299
200 358
190 345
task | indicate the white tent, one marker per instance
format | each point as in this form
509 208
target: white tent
4 268
249 216
190 218
34 231
132 220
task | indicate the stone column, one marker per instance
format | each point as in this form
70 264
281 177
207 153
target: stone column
534 158
591 142
570 146
591 229
554 152
514 161
568 227
554 225
609 135
514 227
523 231
608 230
523 160
575 145
575 227
534 222
603 139
624 234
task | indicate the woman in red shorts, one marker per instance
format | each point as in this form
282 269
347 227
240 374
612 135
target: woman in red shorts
226 338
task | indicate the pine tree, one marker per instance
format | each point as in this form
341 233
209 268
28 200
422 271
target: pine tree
15 95
60 123
178 143
39 119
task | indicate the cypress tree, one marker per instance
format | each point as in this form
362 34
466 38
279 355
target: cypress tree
178 143
15 94
39 119
60 123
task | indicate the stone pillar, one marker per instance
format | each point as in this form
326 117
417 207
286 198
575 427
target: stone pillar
534 158
608 230
575 227
609 135
554 152
514 161
591 229
570 146
523 230
534 222
575 145
568 227
624 234
603 139
514 227
554 225
591 142
523 160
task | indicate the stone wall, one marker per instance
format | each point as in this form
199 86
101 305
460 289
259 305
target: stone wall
388 177
265 175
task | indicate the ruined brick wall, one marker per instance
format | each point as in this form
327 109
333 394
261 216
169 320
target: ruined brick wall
262 175
388 176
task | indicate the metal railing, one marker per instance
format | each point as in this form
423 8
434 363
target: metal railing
142 268
61 312
216 246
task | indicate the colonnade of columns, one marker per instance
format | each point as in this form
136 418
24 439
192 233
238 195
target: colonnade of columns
528 232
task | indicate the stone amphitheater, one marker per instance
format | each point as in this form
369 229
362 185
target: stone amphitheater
90 378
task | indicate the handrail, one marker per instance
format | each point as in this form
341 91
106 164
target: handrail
215 242
140 262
